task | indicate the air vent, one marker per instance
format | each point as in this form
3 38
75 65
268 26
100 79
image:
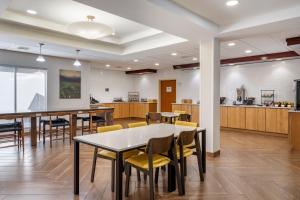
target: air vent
23 48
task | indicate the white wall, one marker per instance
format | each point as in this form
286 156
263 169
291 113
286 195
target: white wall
276 76
187 84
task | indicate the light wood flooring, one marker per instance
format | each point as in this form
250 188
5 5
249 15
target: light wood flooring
251 167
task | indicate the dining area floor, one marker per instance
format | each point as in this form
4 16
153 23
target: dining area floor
251 167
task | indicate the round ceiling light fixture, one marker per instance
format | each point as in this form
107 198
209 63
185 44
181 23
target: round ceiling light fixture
32 12
232 3
89 29
231 44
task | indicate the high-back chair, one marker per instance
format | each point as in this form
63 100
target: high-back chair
184 139
137 124
12 131
153 159
109 155
58 121
153 117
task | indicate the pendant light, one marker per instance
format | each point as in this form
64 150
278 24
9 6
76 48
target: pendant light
40 58
77 63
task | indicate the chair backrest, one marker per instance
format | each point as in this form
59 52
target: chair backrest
154 117
179 111
184 123
184 117
137 124
186 137
103 129
160 145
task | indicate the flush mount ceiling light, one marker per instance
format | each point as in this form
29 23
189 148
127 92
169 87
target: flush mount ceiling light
135 60
232 3
174 54
194 59
156 64
32 12
77 63
248 51
129 68
231 44
107 65
40 58
89 29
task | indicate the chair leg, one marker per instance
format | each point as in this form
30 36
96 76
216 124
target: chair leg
151 184
145 176
82 126
64 129
39 129
178 177
127 172
200 165
113 171
182 175
50 132
94 164
44 132
156 175
185 166
138 174
56 131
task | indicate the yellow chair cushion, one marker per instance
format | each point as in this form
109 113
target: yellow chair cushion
142 161
179 111
103 129
137 124
184 123
112 155
186 152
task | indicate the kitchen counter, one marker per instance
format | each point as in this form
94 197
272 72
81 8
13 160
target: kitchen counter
294 129
255 106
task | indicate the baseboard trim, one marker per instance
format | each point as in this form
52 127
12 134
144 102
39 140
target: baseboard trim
254 132
214 154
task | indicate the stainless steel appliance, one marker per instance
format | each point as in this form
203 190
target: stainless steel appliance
133 96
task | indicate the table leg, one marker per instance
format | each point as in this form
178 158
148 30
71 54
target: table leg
73 127
171 178
76 168
119 175
33 131
203 141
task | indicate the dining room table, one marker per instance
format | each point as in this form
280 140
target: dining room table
170 116
121 141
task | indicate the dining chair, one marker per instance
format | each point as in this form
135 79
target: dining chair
137 124
184 117
153 159
179 111
153 117
93 121
109 155
58 121
12 130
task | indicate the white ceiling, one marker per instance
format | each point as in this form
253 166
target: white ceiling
218 12
134 40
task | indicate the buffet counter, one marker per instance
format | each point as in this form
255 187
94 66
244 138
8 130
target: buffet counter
294 129
130 109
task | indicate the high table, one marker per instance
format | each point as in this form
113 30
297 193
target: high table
124 140
71 111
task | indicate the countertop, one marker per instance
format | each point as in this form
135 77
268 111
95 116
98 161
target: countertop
295 111
255 106
121 102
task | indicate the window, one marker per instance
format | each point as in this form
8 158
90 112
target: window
22 89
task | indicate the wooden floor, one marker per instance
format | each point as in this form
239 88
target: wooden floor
253 167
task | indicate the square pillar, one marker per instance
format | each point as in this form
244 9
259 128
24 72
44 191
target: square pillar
210 93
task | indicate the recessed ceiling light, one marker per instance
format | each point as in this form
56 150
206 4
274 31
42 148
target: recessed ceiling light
107 65
135 60
174 54
248 51
113 33
231 44
128 68
156 64
32 12
195 68
278 59
194 59
232 3
264 58
231 64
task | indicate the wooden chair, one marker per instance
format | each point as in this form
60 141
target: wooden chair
12 131
153 117
56 120
184 117
93 122
109 155
152 159
137 124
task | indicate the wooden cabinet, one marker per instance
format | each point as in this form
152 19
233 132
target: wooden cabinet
187 108
236 117
223 116
195 114
124 110
176 107
294 129
255 119
277 120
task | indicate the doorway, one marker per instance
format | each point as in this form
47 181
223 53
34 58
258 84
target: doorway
167 95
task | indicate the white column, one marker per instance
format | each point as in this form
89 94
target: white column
210 92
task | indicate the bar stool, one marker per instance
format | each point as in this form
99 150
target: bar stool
56 120
12 131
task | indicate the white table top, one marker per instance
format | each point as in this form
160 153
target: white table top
169 114
131 138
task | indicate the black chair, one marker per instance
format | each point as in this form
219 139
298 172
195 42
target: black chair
184 117
153 117
56 120
92 119
12 131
